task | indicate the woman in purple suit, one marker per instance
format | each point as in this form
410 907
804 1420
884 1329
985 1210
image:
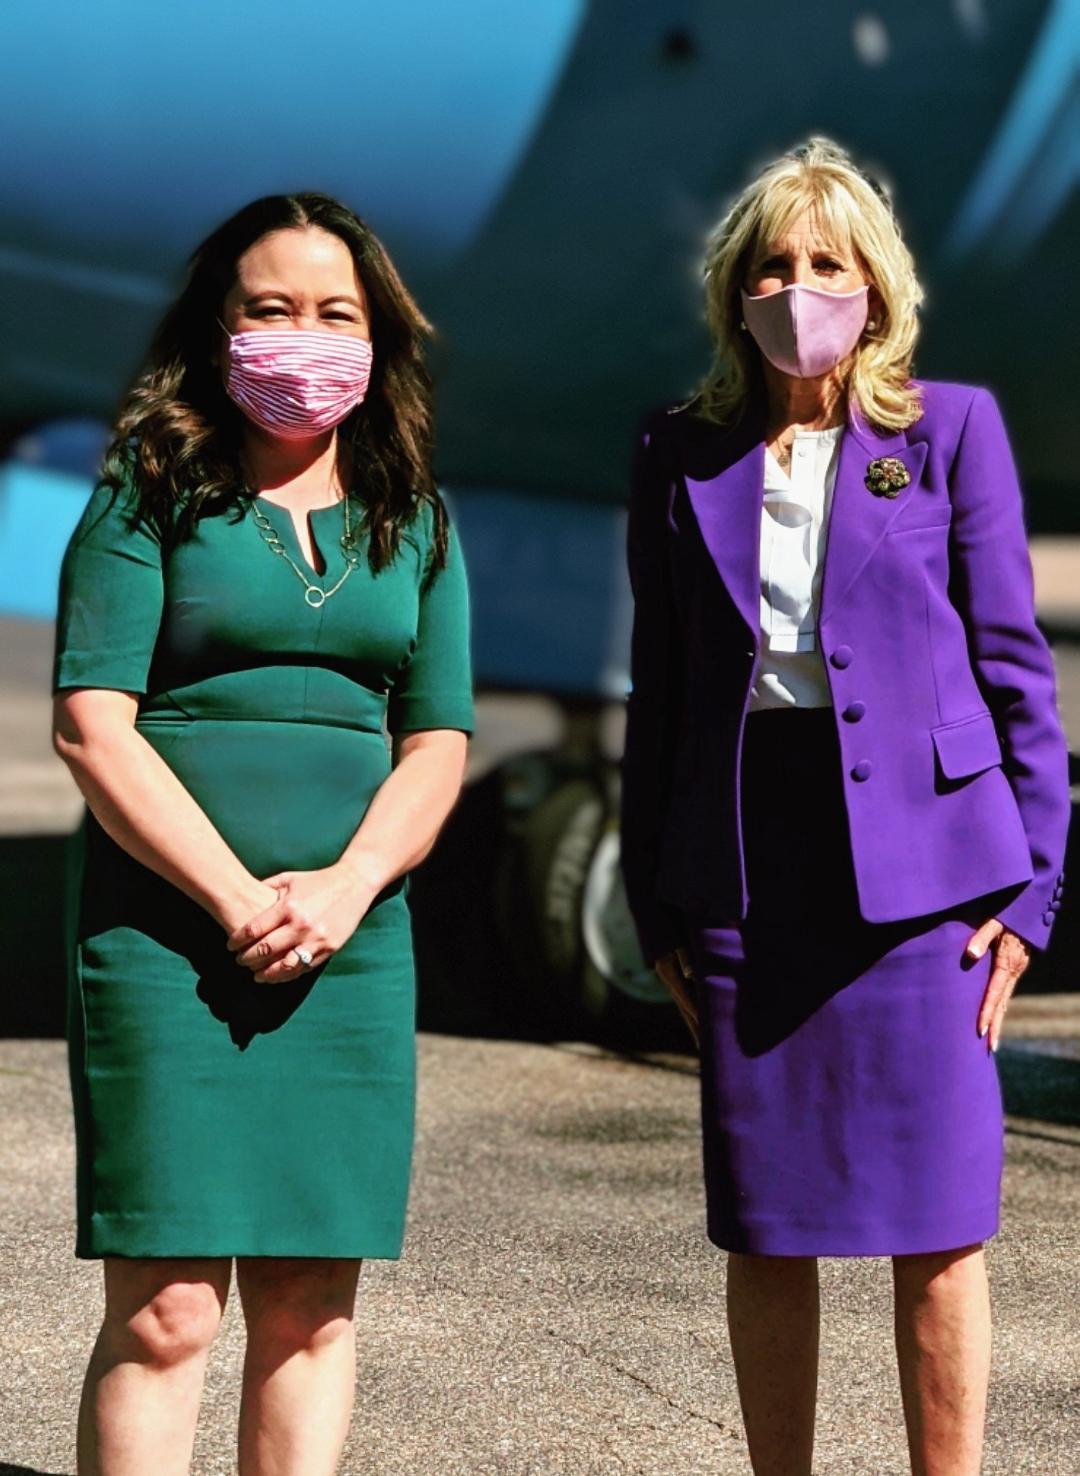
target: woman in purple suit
845 794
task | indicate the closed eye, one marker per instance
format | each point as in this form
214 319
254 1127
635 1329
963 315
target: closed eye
277 312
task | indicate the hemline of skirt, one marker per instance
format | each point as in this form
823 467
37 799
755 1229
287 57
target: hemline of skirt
119 1236
773 1239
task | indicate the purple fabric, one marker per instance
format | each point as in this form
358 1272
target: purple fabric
955 771
848 1105
805 331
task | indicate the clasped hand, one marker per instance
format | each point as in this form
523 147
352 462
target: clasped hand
1010 958
315 910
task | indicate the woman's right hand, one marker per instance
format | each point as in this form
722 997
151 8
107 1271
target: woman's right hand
675 973
252 898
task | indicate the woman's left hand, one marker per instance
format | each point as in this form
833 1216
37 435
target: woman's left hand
317 910
1011 957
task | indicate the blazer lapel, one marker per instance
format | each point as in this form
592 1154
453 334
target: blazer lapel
728 508
859 518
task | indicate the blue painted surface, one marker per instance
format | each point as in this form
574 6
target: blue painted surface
227 101
1033 163
550 596
38 510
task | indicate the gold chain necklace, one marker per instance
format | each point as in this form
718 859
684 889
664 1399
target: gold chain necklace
314 594
783 453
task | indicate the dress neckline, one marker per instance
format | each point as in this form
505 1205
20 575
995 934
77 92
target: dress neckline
294 531
323 507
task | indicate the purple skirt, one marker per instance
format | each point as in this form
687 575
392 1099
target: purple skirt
849 1107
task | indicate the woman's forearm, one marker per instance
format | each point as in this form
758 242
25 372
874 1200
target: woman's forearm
143 806
406 814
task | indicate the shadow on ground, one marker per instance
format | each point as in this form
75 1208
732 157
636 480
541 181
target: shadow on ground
1038 1082
6 1470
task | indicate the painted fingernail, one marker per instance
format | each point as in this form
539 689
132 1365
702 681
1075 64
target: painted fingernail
982 1031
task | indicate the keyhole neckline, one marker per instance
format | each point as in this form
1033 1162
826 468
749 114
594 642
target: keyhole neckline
294 531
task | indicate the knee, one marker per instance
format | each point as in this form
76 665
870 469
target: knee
939 1272
278 1330
179 1322
302 1312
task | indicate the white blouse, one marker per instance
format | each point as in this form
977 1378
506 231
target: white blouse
794 524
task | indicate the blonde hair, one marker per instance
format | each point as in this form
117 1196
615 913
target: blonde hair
849 207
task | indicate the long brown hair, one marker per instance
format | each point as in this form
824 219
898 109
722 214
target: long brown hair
177 433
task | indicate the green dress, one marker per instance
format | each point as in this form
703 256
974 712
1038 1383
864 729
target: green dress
214 1115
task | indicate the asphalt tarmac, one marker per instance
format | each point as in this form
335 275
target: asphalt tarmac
558 1310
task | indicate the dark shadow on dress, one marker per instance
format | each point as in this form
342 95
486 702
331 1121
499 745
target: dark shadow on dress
136 897
806 939
249 1008
783 979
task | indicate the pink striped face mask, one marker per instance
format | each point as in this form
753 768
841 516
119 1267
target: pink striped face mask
297 382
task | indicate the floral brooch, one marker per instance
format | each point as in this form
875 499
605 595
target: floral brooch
886 475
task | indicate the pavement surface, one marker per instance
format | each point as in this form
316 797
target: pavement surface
558 1310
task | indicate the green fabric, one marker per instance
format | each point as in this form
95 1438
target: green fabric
214 1115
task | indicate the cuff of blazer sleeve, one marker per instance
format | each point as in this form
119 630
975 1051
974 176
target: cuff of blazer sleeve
1032 913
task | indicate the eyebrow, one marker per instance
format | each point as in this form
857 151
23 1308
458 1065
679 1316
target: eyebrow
818 250
338 297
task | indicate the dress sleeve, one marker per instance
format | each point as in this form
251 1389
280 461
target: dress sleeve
110 597
434 687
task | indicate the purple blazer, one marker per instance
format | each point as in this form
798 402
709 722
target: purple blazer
955 762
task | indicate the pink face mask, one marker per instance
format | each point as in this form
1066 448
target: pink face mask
297 382
806 331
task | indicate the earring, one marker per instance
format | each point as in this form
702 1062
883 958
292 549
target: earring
742 324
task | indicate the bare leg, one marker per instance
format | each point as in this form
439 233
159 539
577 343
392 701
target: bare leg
141 1395
943 1348
300 1368
773 1311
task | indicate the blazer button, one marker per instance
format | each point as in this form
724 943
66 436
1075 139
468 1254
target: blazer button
854 711
862 770
1048 917
841 657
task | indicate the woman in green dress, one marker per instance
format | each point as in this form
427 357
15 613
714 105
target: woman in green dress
262 688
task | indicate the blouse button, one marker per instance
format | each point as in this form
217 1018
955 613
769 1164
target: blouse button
841 657
853 712
862 770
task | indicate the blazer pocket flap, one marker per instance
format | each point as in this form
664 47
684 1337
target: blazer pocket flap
909 521
968 746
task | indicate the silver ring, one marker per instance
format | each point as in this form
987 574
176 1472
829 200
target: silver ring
303 955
